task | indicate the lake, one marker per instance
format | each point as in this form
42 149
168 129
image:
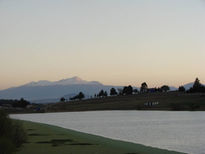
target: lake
180 131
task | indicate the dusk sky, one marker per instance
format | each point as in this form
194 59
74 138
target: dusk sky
115 42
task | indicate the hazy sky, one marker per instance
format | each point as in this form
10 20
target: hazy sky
116 42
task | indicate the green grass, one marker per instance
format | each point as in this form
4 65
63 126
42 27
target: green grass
47 139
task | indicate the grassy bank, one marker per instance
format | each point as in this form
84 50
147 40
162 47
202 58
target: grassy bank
166 101
47 139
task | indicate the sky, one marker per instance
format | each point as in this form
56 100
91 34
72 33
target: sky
115 42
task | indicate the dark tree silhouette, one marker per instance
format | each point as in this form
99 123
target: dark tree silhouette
80 96
21 103
127 90
144 87
197 84
181 89
113 92
197 87
102 93
62 99
165 88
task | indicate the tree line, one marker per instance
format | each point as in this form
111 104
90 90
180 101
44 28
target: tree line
129 90
22 103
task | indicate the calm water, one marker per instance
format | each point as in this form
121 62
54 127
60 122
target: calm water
179 131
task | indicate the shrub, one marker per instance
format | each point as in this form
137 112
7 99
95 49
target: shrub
18 134
12 134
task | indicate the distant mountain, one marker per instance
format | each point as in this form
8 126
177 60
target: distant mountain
47 91
188 85
64 82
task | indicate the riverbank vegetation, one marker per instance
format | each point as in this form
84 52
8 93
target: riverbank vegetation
12 134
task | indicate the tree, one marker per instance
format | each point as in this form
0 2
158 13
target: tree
102 93
127 90
197 87
144 87
62 99
21 103
12 134
181 89
197 84
79 96
165 88
113 92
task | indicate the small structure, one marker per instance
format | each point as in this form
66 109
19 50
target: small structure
151 103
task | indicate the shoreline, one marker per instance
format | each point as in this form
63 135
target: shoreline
86 143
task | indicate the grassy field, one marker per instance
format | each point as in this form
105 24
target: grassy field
167 101
47 139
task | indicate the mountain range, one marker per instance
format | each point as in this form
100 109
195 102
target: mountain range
70 81
47 91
